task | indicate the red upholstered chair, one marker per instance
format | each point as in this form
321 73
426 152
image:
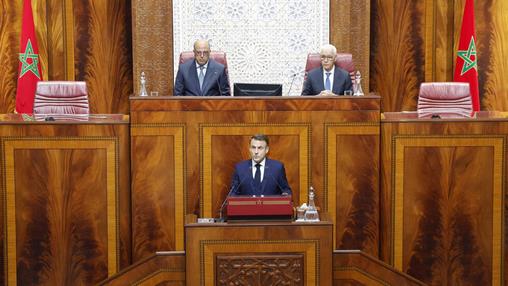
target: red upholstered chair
217 56
444 100
343 60
61 97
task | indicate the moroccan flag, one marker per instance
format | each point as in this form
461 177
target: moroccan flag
29 64
466 68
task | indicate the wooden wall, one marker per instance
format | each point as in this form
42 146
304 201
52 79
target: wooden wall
411 41
415 40
78 40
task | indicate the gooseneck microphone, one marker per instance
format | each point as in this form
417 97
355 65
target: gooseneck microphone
233 189
292 81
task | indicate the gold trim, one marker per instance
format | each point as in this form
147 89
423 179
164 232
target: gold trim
331 132
68 30
497 202
10 145
177 131
302 131
309 248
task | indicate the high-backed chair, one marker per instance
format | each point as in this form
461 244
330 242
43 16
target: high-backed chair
343 60
217 56
444 100
61 97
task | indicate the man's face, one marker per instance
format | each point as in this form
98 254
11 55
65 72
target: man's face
258 150
201 52
327 59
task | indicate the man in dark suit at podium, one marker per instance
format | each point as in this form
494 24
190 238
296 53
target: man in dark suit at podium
201 76
259 175
327 79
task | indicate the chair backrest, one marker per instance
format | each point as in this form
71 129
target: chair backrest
343 61
217 56
61 97
444 100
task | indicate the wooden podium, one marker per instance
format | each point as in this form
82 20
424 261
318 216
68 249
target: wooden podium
259 253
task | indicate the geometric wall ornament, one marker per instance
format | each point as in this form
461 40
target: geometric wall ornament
265 41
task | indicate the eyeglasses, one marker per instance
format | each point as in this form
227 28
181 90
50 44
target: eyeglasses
327 58
202 53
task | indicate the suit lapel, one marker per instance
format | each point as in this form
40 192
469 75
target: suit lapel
321 84
208 75
194 76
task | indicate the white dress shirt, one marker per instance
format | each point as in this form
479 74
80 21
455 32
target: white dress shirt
262 168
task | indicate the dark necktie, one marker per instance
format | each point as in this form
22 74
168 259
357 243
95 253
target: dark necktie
257 176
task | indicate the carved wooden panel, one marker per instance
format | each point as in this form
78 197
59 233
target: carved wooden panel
64 188
443 193
259 270
329 143
207 243
350 30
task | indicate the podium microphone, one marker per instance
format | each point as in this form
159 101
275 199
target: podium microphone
218 83
293 80
233 188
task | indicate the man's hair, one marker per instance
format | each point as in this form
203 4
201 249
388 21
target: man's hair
260 137
328 47
201 40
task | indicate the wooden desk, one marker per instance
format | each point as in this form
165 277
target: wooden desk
64 186
443 197
259 253
184 150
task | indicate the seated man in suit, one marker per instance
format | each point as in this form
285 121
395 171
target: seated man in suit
259 175
327 79
201 76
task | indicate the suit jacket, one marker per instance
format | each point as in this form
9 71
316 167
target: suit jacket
274 179
215 82
314 83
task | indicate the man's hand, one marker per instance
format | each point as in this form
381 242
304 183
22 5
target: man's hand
326 93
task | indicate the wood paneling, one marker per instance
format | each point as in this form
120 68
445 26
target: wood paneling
65 185
184 150
163 268
78 40
350 32
257 241
443 199
353 267
152 39
416 41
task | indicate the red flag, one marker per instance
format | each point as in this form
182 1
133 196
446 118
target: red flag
29 64
466 68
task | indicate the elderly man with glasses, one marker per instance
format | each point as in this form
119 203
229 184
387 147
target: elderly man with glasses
201 76
327 79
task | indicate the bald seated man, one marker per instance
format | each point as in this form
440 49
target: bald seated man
327 79
201 76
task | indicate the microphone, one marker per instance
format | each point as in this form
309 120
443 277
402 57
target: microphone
293 80
233 188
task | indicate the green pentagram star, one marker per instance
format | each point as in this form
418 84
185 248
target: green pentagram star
466 55
26 66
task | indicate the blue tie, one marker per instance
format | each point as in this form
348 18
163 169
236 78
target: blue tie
201 77
327 81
